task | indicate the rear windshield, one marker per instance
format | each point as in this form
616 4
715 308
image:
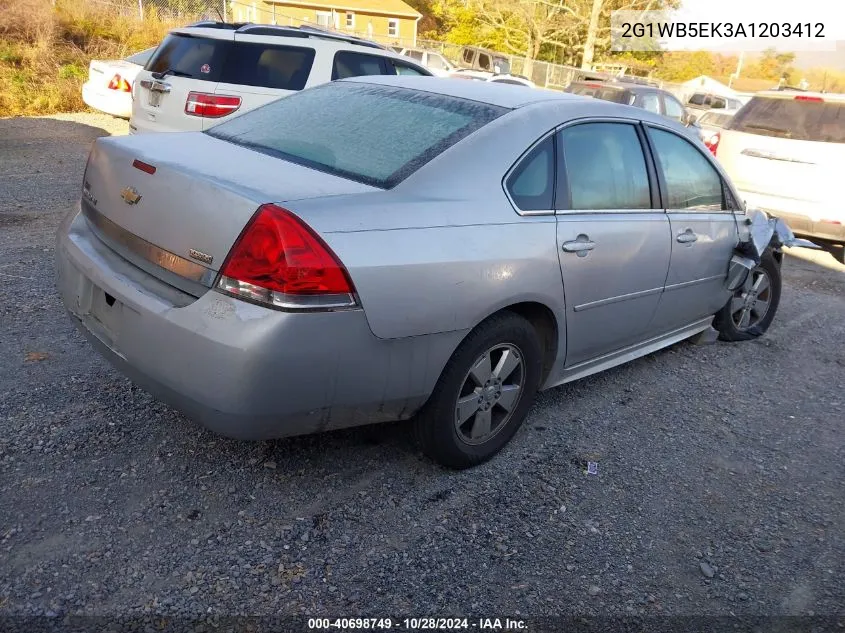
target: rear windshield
378 135
243 63
790 118
188 56
717 120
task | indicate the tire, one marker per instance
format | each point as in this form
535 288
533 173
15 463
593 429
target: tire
503 339
730 322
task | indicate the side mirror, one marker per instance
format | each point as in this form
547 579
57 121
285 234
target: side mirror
690 120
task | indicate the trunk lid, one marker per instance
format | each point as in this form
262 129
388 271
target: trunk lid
180 222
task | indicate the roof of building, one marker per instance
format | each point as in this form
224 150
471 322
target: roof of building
383 7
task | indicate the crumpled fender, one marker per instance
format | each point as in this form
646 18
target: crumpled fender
758 232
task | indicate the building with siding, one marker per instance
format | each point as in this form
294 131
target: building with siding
390 22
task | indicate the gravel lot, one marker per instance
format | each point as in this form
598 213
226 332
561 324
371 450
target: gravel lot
719 486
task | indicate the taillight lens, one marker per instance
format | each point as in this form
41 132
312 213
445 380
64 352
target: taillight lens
211 106
119 83
712 143
279 261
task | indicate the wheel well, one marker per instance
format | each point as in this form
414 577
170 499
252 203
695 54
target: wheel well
543 320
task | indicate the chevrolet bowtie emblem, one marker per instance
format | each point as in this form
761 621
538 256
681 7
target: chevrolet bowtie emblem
130 195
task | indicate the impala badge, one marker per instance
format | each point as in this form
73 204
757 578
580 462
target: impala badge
130 195
200 256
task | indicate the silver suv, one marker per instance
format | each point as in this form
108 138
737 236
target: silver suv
784 152
212 71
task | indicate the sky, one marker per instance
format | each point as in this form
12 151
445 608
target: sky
827 12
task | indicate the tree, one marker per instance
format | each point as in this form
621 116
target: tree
772 65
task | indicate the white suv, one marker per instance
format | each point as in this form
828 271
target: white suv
785 153
211 71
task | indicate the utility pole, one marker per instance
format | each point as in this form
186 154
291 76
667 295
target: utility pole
735 74
140 9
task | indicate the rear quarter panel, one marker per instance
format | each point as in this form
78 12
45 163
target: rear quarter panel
445 249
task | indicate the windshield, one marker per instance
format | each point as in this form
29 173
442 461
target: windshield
369 133
797 119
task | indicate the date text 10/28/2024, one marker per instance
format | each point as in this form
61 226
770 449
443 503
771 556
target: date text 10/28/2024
417 624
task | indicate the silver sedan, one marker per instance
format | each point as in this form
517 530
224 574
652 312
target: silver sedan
393 248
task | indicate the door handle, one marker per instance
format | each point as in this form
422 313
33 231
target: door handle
580 245
155 86
687 237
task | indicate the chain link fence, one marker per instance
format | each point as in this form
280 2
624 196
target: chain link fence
186 11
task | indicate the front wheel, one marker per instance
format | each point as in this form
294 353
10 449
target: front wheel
483 394
749 313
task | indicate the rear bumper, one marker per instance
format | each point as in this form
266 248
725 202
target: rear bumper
239 369
117 104
804 218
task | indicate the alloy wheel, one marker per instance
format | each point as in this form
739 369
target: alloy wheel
489 394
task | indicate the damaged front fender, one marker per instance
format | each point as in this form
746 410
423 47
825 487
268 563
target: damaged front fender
758 232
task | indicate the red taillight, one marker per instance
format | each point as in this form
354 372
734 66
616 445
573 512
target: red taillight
119 83
807 98
211 106
280 261
712 143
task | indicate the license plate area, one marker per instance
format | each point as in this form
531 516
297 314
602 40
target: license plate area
154 99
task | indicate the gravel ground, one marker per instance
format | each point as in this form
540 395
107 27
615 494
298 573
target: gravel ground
719 485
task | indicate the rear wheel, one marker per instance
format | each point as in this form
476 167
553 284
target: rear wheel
483 394
749 313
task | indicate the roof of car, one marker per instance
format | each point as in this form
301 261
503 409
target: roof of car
498 94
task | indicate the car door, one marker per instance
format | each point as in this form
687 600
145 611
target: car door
704 229
614 241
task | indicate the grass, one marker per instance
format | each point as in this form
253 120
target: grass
45 50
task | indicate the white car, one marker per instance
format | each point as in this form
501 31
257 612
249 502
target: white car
481 75
435 62
109 85
203 74
784 152
711 124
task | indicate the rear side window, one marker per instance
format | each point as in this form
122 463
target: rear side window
405 69
674 110
796 119
437 62
328 127
468 55
415 55
697 99
531 185
188 56
616 96
605 167
691 181
651 102
484 61
349 64
280 67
